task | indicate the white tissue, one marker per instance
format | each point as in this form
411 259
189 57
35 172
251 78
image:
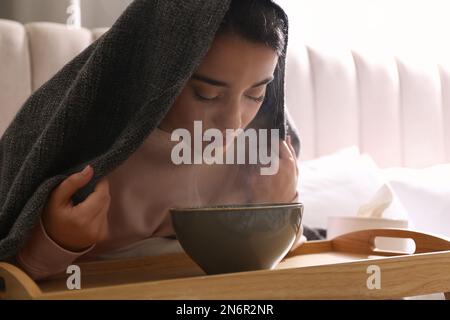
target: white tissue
378 204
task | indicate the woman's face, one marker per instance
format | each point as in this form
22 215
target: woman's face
227 89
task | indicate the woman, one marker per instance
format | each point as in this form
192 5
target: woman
235 86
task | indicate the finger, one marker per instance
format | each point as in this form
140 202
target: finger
97 200
291 148
101 193
284 152
64 192
297 170
102 186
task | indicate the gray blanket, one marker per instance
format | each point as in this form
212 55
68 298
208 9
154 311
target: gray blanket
104 103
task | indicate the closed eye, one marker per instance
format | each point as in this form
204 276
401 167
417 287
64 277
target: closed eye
257 99
203 98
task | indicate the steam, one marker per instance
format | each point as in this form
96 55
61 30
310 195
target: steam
222 171
74 12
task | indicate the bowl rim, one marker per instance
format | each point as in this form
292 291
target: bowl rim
240 207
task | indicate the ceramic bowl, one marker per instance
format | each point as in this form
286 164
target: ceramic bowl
235 238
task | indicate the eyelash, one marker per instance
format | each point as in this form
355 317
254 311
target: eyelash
201 98
259 99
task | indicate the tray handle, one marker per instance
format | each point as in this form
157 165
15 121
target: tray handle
15 284
364 241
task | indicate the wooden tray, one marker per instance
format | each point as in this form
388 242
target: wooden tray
335 269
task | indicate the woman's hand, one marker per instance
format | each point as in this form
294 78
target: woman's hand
76 228
280 187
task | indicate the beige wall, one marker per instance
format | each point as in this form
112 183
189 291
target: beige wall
94 13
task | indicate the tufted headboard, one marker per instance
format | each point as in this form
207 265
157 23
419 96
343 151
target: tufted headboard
30 55
398 112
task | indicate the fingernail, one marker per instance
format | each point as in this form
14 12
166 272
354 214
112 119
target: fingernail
85 171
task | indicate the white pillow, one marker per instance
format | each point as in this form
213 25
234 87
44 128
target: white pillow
338 185
425 193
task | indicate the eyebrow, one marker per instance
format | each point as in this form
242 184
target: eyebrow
219 83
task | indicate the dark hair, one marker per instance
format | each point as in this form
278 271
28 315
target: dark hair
255 20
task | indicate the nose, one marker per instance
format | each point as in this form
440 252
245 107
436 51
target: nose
230 117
